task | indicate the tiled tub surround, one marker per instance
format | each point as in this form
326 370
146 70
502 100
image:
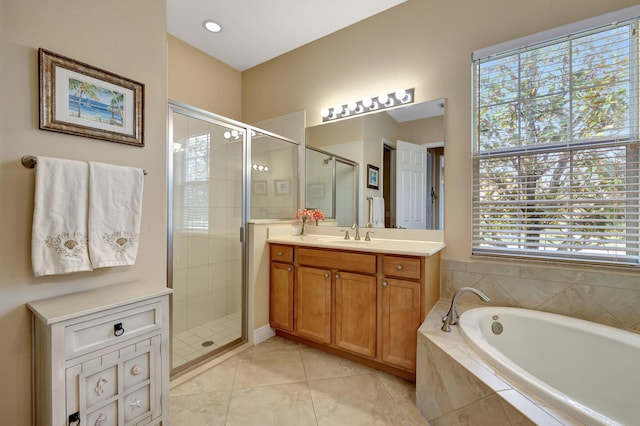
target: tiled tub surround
599 295
454 386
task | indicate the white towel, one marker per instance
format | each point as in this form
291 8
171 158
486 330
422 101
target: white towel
115 204
59 230
378 212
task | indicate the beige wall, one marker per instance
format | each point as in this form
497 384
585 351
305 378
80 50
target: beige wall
129 39
199 80
425 44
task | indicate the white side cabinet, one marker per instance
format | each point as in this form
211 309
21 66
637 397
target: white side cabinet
101 357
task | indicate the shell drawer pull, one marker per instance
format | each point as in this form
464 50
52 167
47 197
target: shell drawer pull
74 419
102 419
136 369
100 385
399 267
118 329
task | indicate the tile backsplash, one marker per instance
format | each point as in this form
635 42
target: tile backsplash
600 296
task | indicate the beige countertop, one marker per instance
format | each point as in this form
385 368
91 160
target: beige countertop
382 245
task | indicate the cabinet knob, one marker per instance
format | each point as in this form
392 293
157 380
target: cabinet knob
326 275
337 277
280 253
384 283
118 329
289 269
100 386
136 369
102 419
399 267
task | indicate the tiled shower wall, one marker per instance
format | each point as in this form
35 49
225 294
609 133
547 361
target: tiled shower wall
599 295
207 278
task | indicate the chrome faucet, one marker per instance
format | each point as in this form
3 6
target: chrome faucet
357 228
452 316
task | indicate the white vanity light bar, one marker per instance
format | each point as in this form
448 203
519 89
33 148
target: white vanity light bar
382 101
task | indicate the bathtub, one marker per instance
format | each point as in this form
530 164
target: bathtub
590 371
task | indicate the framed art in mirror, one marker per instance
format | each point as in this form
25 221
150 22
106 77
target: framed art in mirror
373 176
79 99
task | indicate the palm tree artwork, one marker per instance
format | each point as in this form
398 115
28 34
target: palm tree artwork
88 101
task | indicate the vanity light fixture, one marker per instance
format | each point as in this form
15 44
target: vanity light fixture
382 101
259 168
211 26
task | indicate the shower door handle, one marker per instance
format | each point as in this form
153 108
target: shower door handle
241 234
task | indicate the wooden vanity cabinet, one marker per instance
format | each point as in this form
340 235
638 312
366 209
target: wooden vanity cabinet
313 304
361 305
282 273
356 313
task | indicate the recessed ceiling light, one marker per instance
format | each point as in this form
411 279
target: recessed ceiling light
212 26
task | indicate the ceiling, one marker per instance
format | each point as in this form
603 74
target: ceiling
255 31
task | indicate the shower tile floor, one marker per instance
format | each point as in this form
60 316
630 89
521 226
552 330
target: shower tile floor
187 345
282 383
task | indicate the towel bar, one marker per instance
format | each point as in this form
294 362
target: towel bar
30 162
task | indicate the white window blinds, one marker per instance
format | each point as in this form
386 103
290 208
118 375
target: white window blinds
555 148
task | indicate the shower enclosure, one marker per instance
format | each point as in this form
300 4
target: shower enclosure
215 166
332 185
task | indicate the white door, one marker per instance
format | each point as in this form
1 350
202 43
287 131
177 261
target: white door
411 180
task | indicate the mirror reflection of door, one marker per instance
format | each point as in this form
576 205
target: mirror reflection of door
411 185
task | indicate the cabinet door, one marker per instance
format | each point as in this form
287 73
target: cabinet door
313 304
281 296
400 321
355 304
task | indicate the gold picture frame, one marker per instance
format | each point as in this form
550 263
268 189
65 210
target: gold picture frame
79 99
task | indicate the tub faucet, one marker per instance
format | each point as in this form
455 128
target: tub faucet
452 316
357 228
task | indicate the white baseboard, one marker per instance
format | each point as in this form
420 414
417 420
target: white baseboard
263 333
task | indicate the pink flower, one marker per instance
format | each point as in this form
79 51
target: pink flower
315 214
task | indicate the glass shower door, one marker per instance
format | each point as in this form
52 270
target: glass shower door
206 252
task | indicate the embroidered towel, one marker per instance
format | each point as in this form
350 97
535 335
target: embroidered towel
115 204
378 212
59 230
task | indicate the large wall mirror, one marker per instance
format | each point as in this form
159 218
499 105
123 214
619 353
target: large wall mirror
401 149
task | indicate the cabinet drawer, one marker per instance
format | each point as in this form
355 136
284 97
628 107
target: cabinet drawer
402 267
342 260
281 253
94 334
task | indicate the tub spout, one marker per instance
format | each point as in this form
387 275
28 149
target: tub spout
452 316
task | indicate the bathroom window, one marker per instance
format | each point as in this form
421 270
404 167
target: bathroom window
555 149
192 174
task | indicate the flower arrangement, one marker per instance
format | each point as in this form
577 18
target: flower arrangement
309 214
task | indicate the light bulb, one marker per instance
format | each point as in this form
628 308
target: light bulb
234 133
367 102
352 106
383 99
401 94
324 112
337 109
227 134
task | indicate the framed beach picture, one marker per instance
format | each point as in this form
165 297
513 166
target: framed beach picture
79 99
373 173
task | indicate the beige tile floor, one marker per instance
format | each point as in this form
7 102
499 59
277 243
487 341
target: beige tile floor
283 383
